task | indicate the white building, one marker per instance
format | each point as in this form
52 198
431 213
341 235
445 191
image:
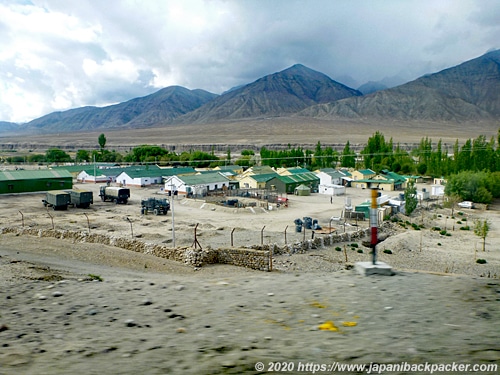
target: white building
198 184
331 189
98 176
139 177
330 176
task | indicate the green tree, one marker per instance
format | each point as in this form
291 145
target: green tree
55 155
82 155
348 158
411 200
102 141
481 229
36 158
375 151
471 186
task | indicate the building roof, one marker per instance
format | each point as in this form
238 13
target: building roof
264 177
138 171
298 178
334 173
297 170
203 179
366 172
229 168
393 176
34 174
260 169
87 166
177 171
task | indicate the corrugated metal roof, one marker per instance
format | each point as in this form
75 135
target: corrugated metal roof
297 170
203 179
142 171
33 174
300 177
167 172
264 177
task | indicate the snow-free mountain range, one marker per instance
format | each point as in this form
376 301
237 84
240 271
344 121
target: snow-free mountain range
467 92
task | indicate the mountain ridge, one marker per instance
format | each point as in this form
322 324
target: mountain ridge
467 92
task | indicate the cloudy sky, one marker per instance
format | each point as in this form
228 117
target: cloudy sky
61 54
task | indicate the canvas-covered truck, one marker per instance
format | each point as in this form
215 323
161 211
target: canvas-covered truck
57 199
81 198
114 194
158 206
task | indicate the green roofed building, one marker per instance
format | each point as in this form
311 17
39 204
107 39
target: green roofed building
25 181
288 184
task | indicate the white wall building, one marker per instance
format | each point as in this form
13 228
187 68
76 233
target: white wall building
198 184
331 189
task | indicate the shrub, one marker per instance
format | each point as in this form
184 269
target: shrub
95 277
442 232
481 261
448 234
439 243
360 251
338 248
465 228
354 245
437 229
387 251
459 222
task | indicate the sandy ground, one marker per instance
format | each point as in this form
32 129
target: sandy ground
92 309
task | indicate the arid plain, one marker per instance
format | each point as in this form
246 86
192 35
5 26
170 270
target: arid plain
155 316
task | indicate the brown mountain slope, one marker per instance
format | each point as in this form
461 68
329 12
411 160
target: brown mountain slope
278 94
470 91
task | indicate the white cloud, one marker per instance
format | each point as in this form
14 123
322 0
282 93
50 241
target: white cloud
59 54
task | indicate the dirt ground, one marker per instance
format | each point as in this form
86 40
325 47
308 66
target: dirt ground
85 308
216 226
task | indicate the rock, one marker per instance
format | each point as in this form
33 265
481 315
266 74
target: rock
130 323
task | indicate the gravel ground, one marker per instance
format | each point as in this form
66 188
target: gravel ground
92 309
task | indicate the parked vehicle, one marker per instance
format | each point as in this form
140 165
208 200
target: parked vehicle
466 204
114 194
57 199
81 198
155 205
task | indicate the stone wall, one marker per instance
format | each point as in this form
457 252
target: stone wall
256 257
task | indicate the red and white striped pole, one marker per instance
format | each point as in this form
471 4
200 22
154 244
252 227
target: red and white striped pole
374 225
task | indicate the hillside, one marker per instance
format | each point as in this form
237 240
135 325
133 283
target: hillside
274 95
470 91
158 108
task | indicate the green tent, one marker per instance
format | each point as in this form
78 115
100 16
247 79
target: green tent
302 190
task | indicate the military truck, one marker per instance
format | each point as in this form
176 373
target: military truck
57 199
81 198
114 194
155 205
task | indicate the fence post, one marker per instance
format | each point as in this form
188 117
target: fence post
51 218
232 237
88 221
22 218
131 230
262 235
